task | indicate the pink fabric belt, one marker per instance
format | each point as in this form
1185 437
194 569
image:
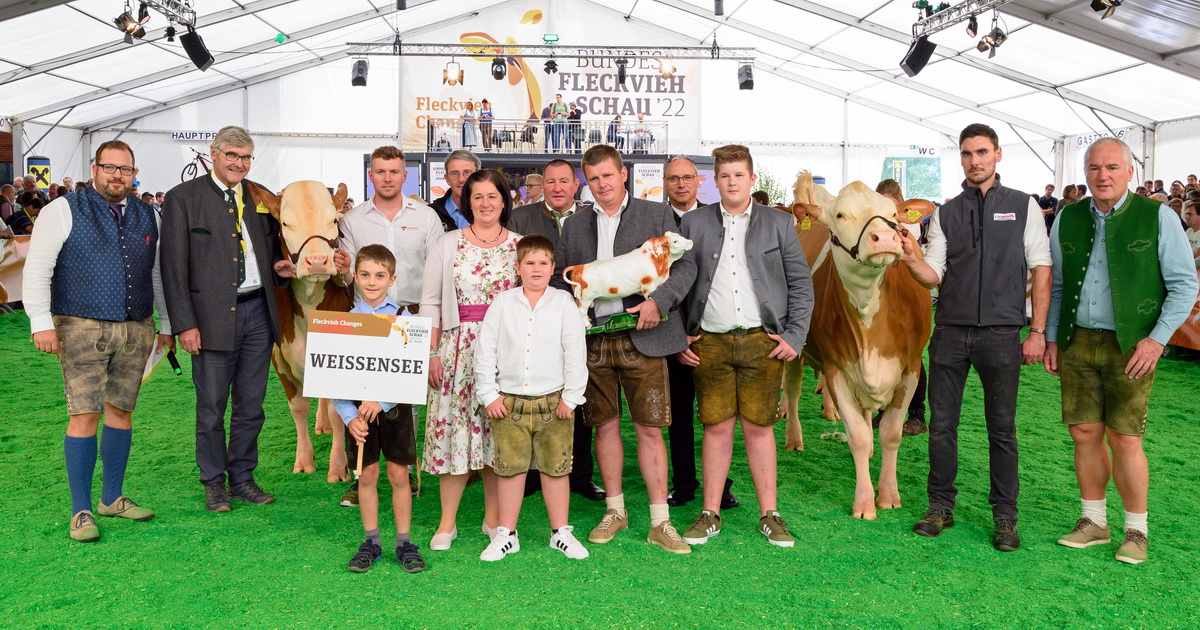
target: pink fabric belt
472 312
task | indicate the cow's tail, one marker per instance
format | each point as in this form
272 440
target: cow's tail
566 276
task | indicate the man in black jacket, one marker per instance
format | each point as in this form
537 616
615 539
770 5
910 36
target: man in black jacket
459 166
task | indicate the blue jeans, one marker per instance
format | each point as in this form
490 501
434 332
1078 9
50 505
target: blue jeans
995 353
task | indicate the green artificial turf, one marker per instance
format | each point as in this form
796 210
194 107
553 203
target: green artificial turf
283 565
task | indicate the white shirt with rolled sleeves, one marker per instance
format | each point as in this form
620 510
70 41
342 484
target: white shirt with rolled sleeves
531 352
1037 242
606 236
53 228
732 289
410 236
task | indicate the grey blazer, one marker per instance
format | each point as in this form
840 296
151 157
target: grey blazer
535 218
641 220
778 269
197 257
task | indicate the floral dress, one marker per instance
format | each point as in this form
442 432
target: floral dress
458 437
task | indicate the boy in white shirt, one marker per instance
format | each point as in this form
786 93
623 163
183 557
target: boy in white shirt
530 373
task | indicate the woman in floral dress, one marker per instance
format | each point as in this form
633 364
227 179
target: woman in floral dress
465 271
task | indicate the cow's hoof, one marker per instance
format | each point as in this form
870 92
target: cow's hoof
887 501
866 515
793 445
336 476
322 427
304 467
864 505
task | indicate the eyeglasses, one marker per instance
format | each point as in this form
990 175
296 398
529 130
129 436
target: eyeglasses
463 174
675 179
113 168
233 157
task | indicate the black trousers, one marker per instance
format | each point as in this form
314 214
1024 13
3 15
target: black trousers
916 407
995 353
584 463
243 372
682 432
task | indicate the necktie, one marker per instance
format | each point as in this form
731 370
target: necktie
232 198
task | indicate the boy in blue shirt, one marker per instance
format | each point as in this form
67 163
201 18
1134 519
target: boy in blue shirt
380 427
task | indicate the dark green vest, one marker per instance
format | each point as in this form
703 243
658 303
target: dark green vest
1131 245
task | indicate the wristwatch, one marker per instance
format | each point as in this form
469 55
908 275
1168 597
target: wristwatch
1037 330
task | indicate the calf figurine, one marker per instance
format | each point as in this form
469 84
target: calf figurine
639 271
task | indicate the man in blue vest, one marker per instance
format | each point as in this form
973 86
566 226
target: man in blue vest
91 284
1123 283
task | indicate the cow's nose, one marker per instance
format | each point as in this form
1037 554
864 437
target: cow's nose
884 238
316 261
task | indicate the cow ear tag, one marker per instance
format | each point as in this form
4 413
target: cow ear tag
806 224
914 215
262 209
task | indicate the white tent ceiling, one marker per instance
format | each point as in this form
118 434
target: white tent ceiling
1062 72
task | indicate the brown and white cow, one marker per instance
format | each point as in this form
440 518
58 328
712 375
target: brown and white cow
308 217
639 271
869 327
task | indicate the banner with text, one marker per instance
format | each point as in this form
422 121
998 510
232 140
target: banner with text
432 93
361 356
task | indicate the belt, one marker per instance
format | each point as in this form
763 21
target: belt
471 312
250 295
518 396
739 331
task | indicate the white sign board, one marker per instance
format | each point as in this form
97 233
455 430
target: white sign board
353 356
194 136
648 181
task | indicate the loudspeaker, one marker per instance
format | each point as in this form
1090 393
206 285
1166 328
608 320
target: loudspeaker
746 77
358 73
196 50
918 55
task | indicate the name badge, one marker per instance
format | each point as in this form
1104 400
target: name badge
1004 216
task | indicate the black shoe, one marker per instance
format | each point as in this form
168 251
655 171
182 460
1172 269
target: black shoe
368 553
249 492
681 495
216 499
588 490
408 556
1005 537
936 519
728 501
915 425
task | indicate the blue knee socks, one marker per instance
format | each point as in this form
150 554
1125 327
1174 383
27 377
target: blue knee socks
80 453
114 451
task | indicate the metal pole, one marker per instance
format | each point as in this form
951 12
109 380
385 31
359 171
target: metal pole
845 143
18 133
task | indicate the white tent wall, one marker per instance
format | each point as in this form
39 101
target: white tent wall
1175 155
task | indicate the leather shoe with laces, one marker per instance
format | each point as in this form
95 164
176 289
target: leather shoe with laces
588 490
728 501
216 499
935 520
1005 537
680 496
83 527
249 492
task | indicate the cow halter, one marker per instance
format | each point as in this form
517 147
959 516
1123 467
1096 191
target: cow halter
295 258
853 251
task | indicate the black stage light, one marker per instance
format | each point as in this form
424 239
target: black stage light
718 7
1108 6
551 66
746 77
498 68
401 5
918 55
621 73
170 33
972 27
992 41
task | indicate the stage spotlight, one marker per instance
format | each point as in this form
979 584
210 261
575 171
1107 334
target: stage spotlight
551 66
621 73
194 46
133 27
918 55
746 77
1108 6
401 5
358 73
171 33
498 68
453 74
718 7
992 41
972 27
666 68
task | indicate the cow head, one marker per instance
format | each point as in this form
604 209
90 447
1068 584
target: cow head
676 245
862 224
308 217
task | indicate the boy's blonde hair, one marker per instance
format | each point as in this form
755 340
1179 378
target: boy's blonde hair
731 153
534 243
377 254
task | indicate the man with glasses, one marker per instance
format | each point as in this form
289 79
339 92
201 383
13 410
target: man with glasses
221 263
91 280
681 181
459 166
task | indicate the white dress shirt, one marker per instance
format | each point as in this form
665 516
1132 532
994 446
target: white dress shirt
1035 239
606 236
531 352
53 228
679 213
253 279
409 235
732 302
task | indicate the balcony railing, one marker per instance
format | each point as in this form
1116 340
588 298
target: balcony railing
536 136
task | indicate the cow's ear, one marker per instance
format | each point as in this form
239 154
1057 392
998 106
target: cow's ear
264 198
339 199
807 209
910 206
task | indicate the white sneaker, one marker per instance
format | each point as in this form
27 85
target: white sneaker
503 544
565 542
489 532
441 542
